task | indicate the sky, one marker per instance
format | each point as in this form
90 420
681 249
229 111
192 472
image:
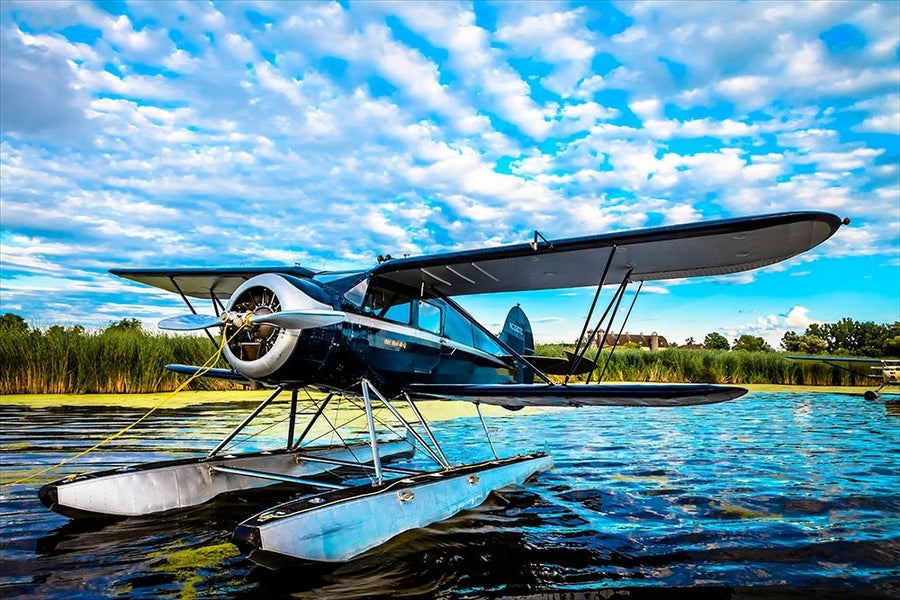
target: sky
227 134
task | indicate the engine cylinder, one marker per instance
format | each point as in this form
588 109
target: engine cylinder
260 351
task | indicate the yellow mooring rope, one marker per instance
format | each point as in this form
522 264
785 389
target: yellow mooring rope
200 371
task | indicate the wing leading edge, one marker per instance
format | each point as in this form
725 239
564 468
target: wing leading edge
697 249
200 283
516 396
692 250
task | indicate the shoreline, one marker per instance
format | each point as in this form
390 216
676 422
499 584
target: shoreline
196 398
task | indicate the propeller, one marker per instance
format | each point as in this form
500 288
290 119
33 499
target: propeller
189 322
300 319
288 319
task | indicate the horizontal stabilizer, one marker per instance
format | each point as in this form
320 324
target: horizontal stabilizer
554 365
516 396
213 373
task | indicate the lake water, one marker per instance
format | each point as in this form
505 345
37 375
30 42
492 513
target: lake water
768 496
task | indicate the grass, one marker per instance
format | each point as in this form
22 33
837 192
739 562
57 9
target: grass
112 362
674 365
73 361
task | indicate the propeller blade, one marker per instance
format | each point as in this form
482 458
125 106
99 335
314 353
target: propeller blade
300 319
189 322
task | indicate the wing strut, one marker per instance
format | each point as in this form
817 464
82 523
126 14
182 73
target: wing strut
191 307
578 350
617 300
618 337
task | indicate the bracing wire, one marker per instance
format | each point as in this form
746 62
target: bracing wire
200 371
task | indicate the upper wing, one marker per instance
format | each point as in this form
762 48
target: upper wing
713 248
516 396
200 283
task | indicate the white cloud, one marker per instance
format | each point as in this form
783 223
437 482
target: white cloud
39 87
421 127
798 317
884 114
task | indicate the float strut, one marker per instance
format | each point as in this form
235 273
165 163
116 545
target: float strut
373 441
486 433
250 417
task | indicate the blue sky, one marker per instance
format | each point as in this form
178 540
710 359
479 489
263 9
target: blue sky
247 133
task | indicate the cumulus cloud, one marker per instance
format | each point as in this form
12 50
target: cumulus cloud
191 133
798 317
39 88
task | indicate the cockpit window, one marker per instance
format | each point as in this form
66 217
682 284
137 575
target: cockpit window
399 313
429 317
390 305
357 294
483 342
458 328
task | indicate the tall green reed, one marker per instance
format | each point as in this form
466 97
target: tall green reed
71 361
674 365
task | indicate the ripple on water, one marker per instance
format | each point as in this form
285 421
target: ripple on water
769 492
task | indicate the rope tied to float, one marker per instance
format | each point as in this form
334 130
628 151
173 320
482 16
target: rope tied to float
199 372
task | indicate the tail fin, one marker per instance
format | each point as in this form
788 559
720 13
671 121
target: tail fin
517 335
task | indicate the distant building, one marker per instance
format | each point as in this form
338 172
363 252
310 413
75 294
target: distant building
652 342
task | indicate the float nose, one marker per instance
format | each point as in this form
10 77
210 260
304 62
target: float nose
49 495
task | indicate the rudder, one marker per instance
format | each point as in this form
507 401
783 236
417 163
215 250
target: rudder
517 335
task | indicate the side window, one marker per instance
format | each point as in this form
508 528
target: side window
457 328
399 313
389 305
429 317
483 342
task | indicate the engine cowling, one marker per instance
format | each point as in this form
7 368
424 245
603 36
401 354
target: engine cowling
261 351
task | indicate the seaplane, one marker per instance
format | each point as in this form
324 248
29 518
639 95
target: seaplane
887 370
391 336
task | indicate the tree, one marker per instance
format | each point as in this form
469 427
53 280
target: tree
812 344
689 342
891 346
13 323
129 324
60 330
790 341
854 337
715 341
751 343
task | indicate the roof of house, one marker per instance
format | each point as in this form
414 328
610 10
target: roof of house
640 339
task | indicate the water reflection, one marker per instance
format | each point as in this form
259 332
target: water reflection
770 491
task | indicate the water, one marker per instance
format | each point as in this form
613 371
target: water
769 496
